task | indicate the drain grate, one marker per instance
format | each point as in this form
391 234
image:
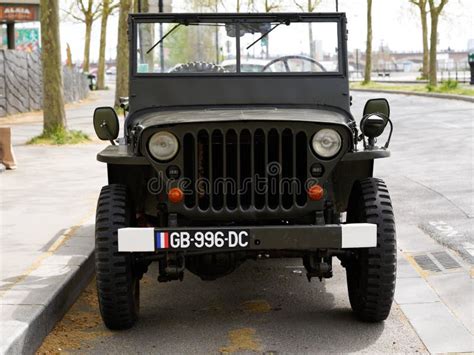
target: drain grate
446 260
425 262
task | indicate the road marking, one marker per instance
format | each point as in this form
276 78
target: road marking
445 229
469 247
51 250
242 339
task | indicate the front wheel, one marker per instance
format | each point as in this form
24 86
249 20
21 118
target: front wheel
118 285
371 272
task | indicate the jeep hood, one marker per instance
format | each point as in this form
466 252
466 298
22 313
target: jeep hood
160 118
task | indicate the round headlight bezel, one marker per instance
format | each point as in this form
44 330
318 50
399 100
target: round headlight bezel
153 143
336 138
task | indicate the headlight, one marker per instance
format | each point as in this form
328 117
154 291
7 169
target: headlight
163 146
327 143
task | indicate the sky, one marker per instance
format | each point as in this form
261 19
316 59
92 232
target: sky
395 24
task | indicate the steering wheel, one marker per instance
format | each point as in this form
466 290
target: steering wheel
286 58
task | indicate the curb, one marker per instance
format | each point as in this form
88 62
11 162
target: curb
432 95
32 307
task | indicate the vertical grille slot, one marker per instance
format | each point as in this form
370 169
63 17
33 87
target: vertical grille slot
203 170
259 167
217 181
189 169
287 167
273 168
231 185
245 161
300 162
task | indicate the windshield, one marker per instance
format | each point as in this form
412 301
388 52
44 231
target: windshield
220 48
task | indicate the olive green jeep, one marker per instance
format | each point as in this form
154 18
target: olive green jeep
239 144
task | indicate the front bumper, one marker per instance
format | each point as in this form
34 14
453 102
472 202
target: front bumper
296 237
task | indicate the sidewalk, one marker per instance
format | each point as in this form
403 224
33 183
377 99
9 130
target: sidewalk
46 222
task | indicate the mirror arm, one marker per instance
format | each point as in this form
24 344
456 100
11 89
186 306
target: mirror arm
390 135
363 141
104 124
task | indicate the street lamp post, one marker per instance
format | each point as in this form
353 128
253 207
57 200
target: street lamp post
471 66
11 35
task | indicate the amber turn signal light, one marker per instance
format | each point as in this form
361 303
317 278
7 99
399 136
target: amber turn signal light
175 195
316 192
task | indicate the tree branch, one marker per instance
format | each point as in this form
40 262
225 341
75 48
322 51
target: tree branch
74 16
81 6
301 7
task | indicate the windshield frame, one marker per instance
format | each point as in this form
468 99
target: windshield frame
237 19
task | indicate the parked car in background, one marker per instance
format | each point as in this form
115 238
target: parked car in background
111 71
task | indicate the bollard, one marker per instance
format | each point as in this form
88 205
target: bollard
7 157
471 65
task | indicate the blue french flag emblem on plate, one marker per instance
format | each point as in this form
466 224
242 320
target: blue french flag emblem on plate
162 240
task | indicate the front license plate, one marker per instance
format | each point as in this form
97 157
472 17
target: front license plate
202 239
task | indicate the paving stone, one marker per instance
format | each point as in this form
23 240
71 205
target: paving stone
414 290
413 240
40 286
439 330
456 290
404 268
22 328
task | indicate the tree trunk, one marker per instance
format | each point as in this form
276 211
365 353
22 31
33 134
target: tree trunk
368 50
87 44
103 44
54 116
121 89
147 39
433 49
426 54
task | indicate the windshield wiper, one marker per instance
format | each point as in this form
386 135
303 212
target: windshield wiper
163 38
264 35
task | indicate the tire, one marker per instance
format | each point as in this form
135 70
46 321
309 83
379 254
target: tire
198 67
118 286
371 273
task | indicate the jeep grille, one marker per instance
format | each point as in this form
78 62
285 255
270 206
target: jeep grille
223 156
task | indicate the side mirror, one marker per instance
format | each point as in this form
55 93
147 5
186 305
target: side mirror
106 123
380 106
376 117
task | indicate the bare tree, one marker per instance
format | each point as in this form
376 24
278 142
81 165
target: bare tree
108 7
54 116
435 12
147 38
86 11
368 50
421 4
270 6
121 89
309 6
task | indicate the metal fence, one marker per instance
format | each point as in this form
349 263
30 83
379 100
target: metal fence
21 88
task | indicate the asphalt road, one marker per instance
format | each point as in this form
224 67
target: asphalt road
268 306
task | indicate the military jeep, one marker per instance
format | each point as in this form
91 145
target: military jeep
218 165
